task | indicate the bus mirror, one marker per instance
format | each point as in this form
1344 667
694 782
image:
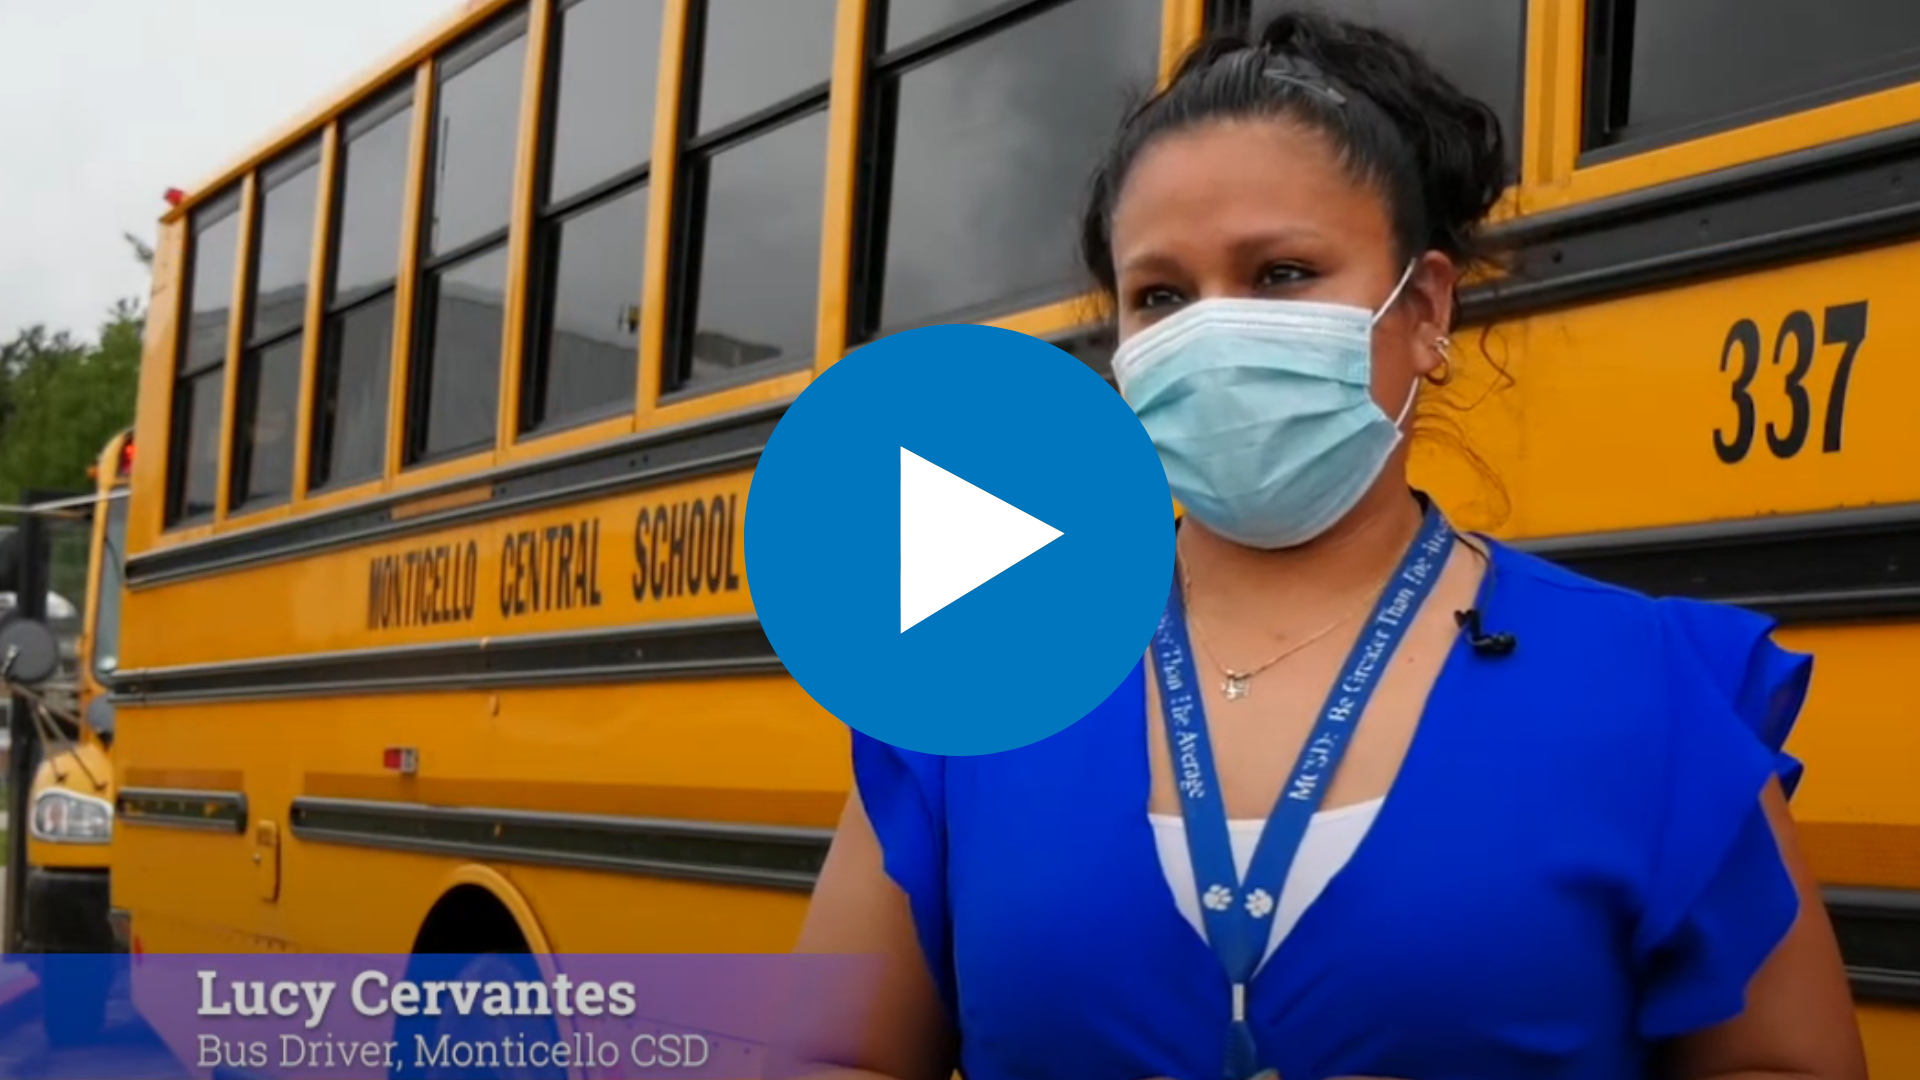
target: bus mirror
100 718
29 652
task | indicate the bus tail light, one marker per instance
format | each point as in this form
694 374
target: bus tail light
404 760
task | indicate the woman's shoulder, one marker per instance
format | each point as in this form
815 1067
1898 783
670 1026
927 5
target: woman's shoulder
1542 590
1683 709
1712 670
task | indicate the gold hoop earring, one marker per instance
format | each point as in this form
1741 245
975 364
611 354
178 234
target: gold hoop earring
1442 375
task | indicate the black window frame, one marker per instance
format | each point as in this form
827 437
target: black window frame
397 98
229 203
1607 88
253 345
695 152
550 217
429 268
873 181
1236 15
1606 77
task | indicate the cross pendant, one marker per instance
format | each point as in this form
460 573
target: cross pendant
1235 687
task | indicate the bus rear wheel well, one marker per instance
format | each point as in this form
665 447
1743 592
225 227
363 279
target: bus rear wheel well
469 919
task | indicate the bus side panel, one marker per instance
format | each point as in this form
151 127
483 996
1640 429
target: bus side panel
1893 1040
1856 806
1776 392
563 787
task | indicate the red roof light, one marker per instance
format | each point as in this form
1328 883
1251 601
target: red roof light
175 196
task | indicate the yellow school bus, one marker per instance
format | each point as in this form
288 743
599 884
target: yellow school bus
70 805
438 636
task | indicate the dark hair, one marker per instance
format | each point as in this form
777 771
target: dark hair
1434 154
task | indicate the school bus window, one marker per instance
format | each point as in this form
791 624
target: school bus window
289 196
753 192
593 225
200 382
457 398
269 385
585 361
606 72
455 383
106 618
269 389
476 136
350 400
760 254
1481 45
1660 72
908 21
983 142
754 56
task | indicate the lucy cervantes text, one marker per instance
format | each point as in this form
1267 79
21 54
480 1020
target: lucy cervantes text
373 994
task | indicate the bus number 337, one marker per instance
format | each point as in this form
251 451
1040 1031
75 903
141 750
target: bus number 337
1795 345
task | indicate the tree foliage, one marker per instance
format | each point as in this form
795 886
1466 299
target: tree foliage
61 399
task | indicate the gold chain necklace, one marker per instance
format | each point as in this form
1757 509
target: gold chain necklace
1238 684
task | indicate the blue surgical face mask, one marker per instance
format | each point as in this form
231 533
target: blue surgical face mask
1262 413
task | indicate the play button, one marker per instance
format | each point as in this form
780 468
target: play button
959 540
955 537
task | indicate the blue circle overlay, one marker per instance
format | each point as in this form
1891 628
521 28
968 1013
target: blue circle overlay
1033 649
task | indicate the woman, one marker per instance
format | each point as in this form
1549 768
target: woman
1537 828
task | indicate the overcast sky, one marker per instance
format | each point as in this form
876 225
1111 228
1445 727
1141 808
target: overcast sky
105 104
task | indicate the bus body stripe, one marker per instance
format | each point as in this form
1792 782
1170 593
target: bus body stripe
728 646
734 853
1878 929
1795 207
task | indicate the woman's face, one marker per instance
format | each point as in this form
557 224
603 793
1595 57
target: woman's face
1265 209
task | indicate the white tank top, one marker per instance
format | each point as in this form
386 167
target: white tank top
1330 841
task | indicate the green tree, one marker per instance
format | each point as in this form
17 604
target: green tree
60 401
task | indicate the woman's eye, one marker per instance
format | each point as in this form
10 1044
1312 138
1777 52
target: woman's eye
1282 275
1155 297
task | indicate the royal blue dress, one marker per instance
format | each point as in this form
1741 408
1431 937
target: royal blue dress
1573 864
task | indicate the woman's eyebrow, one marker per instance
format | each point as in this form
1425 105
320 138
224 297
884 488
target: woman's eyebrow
1245 247
1258 243
1150 262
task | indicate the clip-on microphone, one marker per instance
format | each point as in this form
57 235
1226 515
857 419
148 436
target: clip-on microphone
1500 644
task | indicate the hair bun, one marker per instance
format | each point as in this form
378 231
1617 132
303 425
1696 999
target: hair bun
1434 154
1455 139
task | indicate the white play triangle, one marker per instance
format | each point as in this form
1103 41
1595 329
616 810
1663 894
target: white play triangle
955 537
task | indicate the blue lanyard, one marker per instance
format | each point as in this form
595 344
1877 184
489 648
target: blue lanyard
1238 914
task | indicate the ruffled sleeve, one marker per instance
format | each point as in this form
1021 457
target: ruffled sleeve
904 793
1720 898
